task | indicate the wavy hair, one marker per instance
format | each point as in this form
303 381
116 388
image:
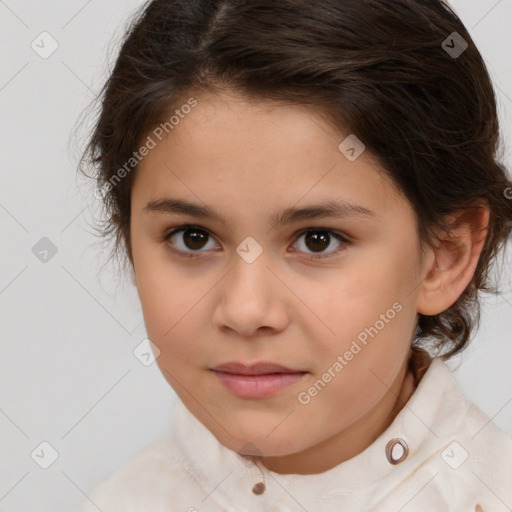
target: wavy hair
380 68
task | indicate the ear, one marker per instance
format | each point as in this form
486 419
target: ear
454 259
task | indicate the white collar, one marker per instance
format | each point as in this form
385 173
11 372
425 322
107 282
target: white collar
431 416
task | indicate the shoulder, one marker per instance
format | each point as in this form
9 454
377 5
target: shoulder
473 459
151 478
489 449
472 469
487 445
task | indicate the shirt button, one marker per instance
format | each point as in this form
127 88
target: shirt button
258 488
396 451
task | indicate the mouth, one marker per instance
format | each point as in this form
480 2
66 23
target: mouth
258 380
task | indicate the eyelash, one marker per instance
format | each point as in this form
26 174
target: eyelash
195 254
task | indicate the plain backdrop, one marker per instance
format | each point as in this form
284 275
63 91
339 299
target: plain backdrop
68 374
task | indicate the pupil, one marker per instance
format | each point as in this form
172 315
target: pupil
195 239
319 241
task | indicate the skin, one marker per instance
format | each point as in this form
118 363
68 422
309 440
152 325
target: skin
248 159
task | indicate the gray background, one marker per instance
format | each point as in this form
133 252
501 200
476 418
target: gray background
68 373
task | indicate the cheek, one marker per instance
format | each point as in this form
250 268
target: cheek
361 313
173 306
349 300
164 296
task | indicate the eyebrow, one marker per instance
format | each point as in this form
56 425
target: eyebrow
335 208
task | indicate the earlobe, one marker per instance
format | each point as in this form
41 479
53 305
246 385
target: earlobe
454 260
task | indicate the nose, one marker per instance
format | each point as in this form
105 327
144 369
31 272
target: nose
252 299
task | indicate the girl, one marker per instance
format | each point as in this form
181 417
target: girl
309 200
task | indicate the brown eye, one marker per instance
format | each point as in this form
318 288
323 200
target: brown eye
188 239
195 239
317 240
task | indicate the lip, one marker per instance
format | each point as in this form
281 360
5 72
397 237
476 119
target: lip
256 381
261 368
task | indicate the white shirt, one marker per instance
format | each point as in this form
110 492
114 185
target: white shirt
458 461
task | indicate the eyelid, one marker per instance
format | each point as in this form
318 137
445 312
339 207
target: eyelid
184 227
340 236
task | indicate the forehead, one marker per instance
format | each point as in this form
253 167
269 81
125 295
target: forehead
259 156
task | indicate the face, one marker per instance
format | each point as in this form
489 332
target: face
272 275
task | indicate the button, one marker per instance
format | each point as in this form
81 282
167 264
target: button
258 488
396 451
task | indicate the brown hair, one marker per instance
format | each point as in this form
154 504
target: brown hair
380 68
